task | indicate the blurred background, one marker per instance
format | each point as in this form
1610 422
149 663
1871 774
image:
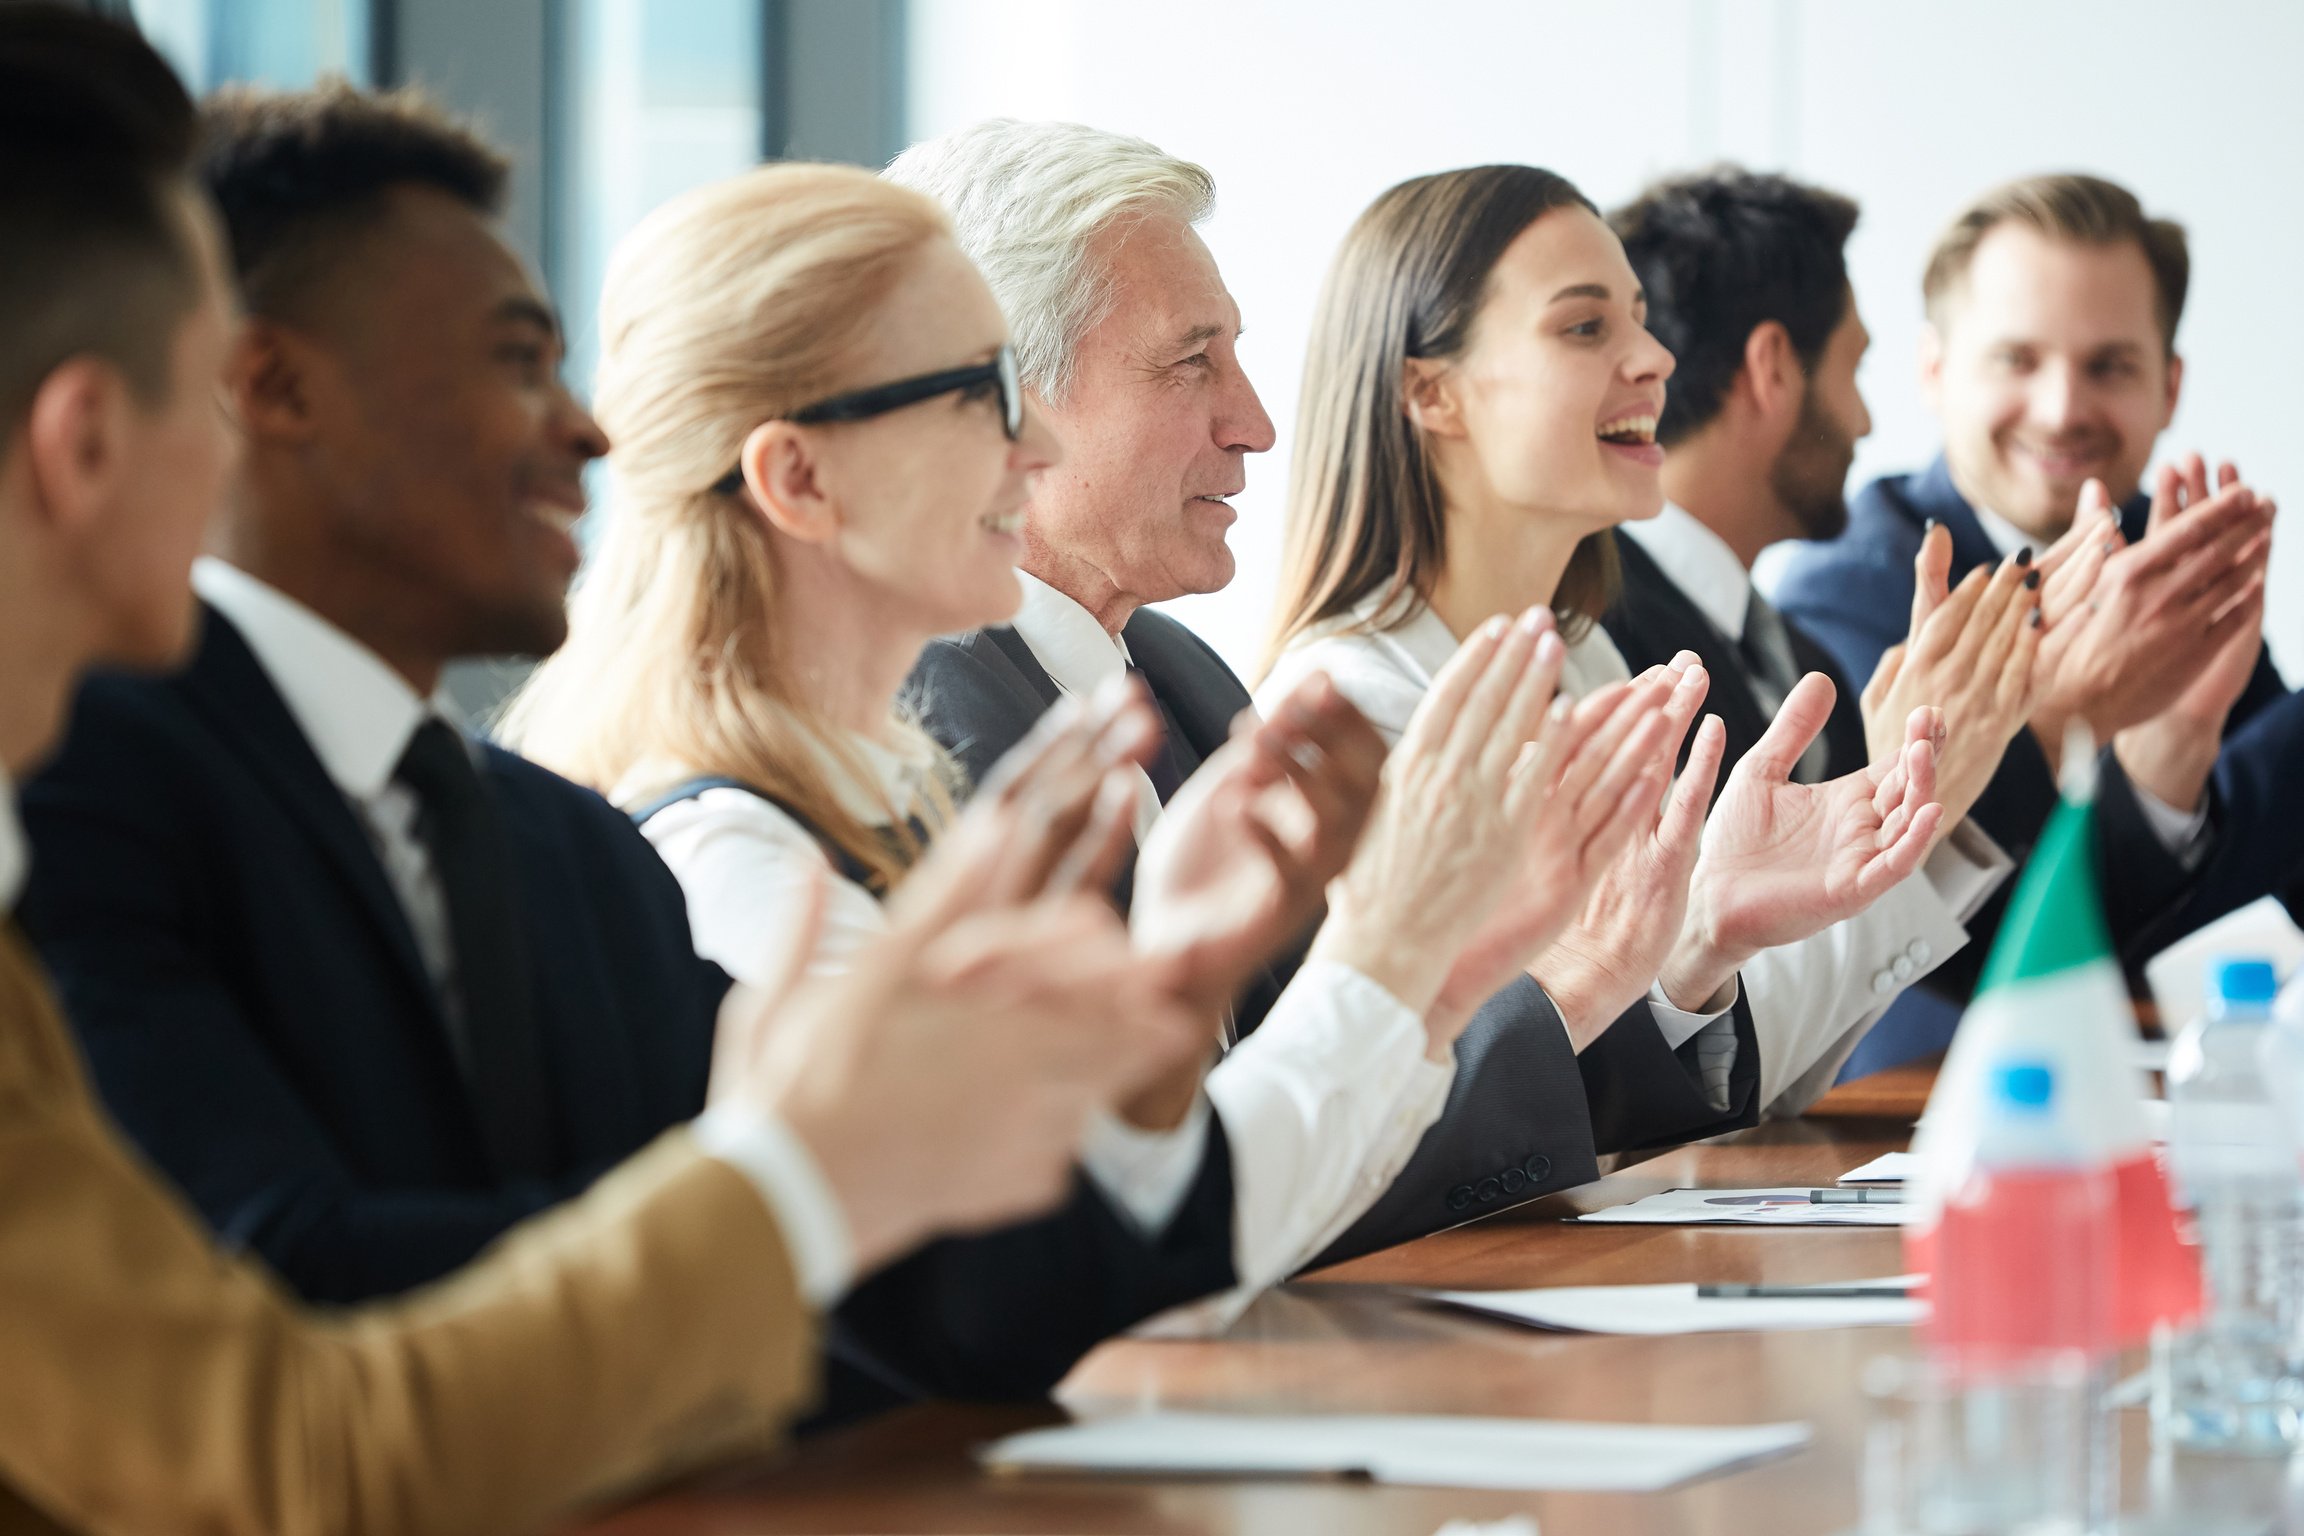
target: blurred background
1305 109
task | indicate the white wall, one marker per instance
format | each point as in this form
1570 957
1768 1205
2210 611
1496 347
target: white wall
1306 109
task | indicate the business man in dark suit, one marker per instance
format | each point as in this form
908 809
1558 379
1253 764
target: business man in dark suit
369 991
2036 401
1157 419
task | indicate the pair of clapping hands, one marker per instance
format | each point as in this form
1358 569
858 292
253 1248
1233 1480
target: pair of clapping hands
2146 645
943 1081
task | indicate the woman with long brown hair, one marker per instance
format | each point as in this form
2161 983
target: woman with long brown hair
1480 410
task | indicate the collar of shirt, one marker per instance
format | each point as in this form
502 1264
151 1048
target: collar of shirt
1422 644
357 712
15 857
1066 639
1700 564
2006 537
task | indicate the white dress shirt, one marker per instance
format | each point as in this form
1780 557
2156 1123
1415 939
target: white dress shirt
1811 1001
1081 657
1709 574
1321 1105
358 716
2183 833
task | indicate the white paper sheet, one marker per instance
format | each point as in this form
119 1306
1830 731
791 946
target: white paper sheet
1660 1309
1889 1168
1748 1208
1430 1450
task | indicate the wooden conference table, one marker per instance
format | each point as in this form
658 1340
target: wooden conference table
1345 1342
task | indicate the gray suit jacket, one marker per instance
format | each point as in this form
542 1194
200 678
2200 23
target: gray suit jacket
1525 1116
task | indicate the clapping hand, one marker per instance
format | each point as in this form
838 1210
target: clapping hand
1239 860
1611 954
942 1081
1782 861
1605 796
1468 794
1970 655
2158 611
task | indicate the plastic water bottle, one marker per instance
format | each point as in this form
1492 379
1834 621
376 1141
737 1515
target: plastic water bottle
2020 1325
2235 1382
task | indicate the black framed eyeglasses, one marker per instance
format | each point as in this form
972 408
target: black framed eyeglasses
880 399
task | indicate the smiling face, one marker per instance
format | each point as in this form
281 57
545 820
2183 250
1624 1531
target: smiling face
930 498
446 452
1560 387
2047 368
1156 428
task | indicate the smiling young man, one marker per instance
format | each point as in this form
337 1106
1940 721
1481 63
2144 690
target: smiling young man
2049 358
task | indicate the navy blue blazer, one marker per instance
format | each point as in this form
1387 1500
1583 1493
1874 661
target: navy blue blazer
1855 595
258 1018
1525 1115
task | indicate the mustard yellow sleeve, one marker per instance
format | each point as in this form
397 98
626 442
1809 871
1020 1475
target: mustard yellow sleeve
150 1384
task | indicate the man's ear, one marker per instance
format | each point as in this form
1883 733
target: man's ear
1772 378
273 382
2175 388
78 440
1428 396
1932 367
786 478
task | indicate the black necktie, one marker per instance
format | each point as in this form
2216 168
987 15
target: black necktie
1165 769
491 1016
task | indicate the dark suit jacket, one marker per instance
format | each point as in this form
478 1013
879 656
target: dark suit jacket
1526 1114
1855 595
257 1016
1652 621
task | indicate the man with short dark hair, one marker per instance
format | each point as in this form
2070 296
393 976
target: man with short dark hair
1747 284
2049 356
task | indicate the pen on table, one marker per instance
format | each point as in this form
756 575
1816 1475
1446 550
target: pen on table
1727 1292
1855 1197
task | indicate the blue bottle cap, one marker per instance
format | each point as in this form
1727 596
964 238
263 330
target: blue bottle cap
2029 1083
2236 980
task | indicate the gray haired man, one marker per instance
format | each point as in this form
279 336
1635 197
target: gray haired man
1126 337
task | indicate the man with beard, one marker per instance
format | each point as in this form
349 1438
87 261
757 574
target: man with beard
1748 285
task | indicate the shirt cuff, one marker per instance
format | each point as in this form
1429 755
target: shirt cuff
1146 1173
1677 1025
764 1150
1966 868
2183 833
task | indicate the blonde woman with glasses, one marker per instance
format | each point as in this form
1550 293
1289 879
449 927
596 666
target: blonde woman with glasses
820 456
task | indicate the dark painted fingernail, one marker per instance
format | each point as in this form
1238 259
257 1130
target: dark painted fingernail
2035 618
2031 579
1928 527
2024 555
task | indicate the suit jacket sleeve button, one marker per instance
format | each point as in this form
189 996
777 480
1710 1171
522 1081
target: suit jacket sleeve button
1884 982
1459 1197
1539 1168
1919 951
1489 1188
1513 1180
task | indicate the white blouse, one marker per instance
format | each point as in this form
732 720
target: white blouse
1321 1106
1811 1001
